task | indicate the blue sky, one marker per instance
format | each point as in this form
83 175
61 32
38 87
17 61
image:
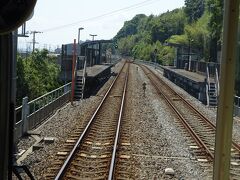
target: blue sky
59 20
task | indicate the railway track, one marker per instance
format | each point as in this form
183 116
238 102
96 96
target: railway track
195 124
94 154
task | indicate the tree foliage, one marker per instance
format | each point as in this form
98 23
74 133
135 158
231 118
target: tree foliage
143 34
131 27
196 32
37 75
167 24
199 25
194 9
126 44
215 9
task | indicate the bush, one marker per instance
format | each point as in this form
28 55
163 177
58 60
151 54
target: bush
37 75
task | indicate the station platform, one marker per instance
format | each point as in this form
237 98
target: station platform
95 71
192 82
95 77
196 77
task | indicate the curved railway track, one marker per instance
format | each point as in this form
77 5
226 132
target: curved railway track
94 153
201 130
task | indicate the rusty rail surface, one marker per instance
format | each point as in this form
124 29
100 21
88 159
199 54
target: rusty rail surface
95 151
191 131
201 129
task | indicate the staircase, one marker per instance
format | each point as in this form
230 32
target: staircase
80 84
212 94
79 88
212 89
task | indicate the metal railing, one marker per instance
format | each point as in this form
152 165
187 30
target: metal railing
199 66
207 95
30 114
47 98
217 81
237 106
18 111
155 65
207 85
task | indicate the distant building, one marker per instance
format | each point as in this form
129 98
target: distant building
91 50
58 51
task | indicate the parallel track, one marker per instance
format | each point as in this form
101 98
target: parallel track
201 130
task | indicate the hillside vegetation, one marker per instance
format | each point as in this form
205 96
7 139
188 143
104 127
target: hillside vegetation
199 21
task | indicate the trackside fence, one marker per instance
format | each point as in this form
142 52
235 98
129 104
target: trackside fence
33 113
153 64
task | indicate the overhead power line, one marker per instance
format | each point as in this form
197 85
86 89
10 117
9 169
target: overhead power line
141 4
34 38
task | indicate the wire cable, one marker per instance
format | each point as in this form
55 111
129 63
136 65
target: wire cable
141 4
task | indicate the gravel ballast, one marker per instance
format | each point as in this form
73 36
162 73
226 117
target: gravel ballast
59 127
157 141
159 148
209 112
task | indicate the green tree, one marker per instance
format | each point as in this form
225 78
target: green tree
198 34
191 24
194 9
125 45
37 75
22 85
215 9
142 50
167 24
130 27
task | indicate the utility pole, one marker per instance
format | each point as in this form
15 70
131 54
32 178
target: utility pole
189 53
79 29
49 48
223 140
93 35
34 38
79 52
28 50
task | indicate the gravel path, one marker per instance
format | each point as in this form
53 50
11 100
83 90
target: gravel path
157 142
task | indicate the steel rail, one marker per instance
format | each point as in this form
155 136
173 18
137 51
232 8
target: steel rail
112 165
204 118
77 145
198 140
211 125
